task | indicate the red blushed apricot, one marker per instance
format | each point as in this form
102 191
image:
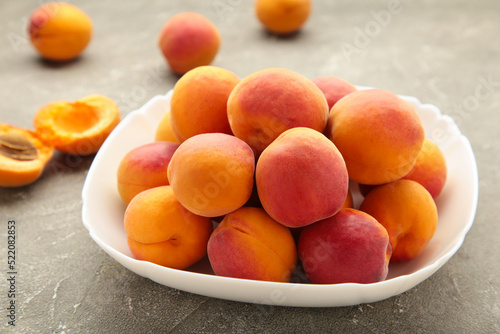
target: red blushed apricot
268 102
408 212
160 230
59 31
350 247
23 156
430 169
283 17
212 174
188 40
301 178
144 167
199 102
379 135
250 244
334 88
80 127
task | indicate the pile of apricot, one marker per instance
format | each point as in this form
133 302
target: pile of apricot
256 173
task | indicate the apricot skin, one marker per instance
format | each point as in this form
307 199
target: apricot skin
164 130
17 173
59 31
199 102
408 212
334 88
212 174
379 135
430 169
283 17
160 230
144 167
301 178
271 101
249 244
350 247
188 40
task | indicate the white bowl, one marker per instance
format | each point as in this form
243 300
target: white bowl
102 215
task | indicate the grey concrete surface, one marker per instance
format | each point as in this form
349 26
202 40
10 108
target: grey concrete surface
438 51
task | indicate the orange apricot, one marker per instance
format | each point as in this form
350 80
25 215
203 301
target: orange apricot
160 230
188 40
283 17
408 212
23 156
334 88
59 31
164 130
144 167
268 102
249 244
378 133
199 102
80 127
430 168
212 174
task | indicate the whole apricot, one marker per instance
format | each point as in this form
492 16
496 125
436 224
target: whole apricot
378 133
188 40
249 244
78 127
283 17
160 230
59 31
212 174
199 102
144 167
430 168
23 156
268 102
408 212
301 178
349 247
164 130
334 88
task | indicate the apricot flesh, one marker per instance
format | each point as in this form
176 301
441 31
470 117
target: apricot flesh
283 17
212 174
80 127
23 156
199 102
59 31
160 230
249 244
378 133
268 102
301 178
350 247
408 212
144 167
188 40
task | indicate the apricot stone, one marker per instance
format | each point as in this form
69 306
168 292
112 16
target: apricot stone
301 178
408 212
59 31
199 102
378 133
430 169
212 174
23 156
334 88
144 167
160 230
249 244
350 247
270 101
188 40
283 17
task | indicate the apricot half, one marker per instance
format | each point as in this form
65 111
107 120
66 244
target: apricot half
80 127
23 156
